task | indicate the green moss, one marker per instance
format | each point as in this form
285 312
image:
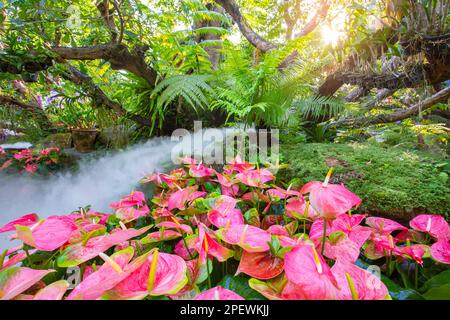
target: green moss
393 182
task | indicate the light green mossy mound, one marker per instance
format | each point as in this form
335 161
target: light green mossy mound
392 182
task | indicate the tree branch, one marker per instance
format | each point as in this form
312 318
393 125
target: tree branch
12 102
100 98
256 40
398 115
118 56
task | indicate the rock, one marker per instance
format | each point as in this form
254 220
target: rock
59 140
84 139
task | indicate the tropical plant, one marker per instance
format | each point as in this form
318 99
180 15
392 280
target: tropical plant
202 226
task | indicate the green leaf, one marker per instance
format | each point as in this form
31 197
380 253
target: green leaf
438 293
240 285
439 280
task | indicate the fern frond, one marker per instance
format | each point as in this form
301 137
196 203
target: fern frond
192 88
317 107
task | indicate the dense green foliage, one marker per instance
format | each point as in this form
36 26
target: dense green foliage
395 182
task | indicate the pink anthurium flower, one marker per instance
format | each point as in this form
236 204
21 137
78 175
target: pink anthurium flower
316 230
415 252
280 193
358 284
208 245
105 278
340 247
24 154
161 274
350 226
16 259
187 248
31 167
16 280
26 220
201 171
224 212
78 253
54 291
260 265
255 178
169 179
278 230
296 208
309 272
238 165
175 225
271 289
250 238
49 235
383 225
329 199
128 214
162 235
225 180
135 198
440 251
232 191
179 198
410 234
434 225
218 293
345 222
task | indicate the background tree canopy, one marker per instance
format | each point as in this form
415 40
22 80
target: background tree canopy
158 65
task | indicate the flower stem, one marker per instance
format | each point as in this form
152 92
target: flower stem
416 276
324 235
187 248
207 270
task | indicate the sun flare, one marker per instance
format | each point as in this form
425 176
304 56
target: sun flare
330 35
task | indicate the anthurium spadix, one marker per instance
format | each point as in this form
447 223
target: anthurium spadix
218 293
161 274
54 291
78 253
383 225
309 272
208 245
16 280
49 235
106 277
249 238
356 283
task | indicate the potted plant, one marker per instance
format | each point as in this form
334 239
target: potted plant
80 118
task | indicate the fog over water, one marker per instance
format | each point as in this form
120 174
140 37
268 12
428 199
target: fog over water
98 181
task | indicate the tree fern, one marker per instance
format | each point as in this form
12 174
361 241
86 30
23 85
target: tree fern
319 106
192 88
